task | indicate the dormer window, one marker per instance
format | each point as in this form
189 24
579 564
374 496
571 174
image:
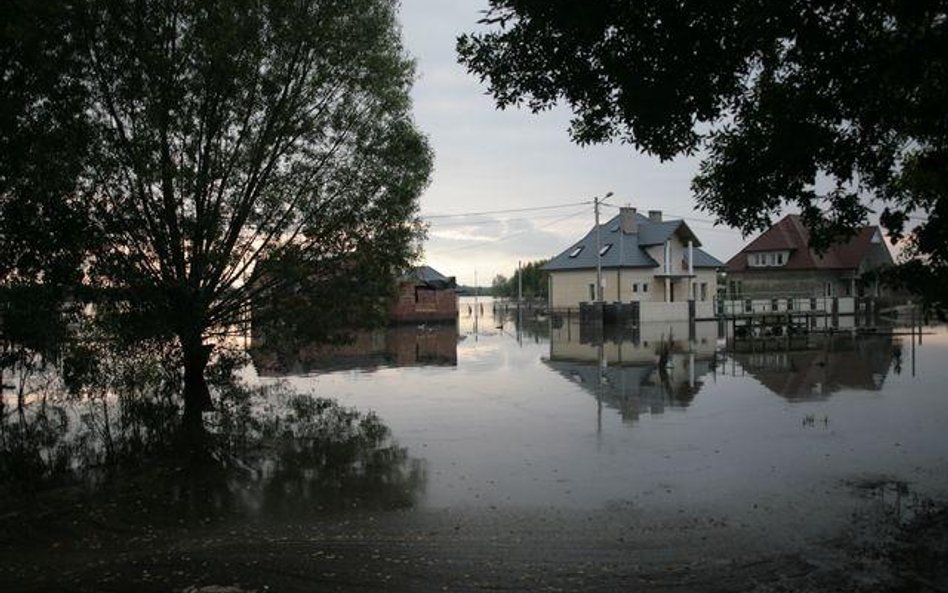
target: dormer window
576 250
605 249
768 259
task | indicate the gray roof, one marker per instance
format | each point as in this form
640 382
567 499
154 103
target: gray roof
429 275
627 247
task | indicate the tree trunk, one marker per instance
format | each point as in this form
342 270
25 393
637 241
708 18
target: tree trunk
197 397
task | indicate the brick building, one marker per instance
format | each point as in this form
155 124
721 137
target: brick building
425 295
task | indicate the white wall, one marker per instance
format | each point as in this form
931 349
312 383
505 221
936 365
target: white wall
654 311
571 287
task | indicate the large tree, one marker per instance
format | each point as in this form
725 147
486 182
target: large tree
223 150
833 107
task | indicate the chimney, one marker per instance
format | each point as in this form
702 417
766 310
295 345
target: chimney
627 220
655 215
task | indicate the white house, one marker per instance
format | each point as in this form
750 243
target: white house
643 259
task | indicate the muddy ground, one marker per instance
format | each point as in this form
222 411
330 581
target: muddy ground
62 543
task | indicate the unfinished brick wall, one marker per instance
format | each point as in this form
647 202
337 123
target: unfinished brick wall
418 302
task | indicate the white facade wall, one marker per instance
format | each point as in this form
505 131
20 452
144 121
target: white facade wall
704 310
565 344
708 277
652 312
569 288
657 252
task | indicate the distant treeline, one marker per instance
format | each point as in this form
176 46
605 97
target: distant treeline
535 282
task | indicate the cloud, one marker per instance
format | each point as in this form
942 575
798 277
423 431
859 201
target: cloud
486 159
492 245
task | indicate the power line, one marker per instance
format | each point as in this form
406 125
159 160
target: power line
713 228
491 221
584 210
508 211
713 222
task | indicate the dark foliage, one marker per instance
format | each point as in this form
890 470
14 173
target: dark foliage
831 107
112 434
153 153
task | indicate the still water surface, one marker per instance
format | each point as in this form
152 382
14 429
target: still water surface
549 417
522 456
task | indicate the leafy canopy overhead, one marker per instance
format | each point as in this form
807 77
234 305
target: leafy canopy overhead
193 140
185 159
778 97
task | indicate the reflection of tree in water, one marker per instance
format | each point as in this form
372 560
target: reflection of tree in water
105 433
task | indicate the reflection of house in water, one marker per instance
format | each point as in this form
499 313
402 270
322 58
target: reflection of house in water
397 346
843 362
625 369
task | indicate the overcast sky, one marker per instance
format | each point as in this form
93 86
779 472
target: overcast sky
487 160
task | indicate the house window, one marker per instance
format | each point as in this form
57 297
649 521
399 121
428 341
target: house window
748 306
605 249
828 289
635 287
704 291
644 287
773 304
767 259
789 304
592 291
576 250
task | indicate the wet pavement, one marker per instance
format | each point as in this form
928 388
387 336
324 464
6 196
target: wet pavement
537 456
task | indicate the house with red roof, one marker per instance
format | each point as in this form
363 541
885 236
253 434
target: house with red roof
780 263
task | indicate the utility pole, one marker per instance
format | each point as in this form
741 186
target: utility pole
519 283
596 202
475 305
598 252
619 267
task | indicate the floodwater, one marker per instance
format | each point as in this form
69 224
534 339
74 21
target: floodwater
552 417
534 454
